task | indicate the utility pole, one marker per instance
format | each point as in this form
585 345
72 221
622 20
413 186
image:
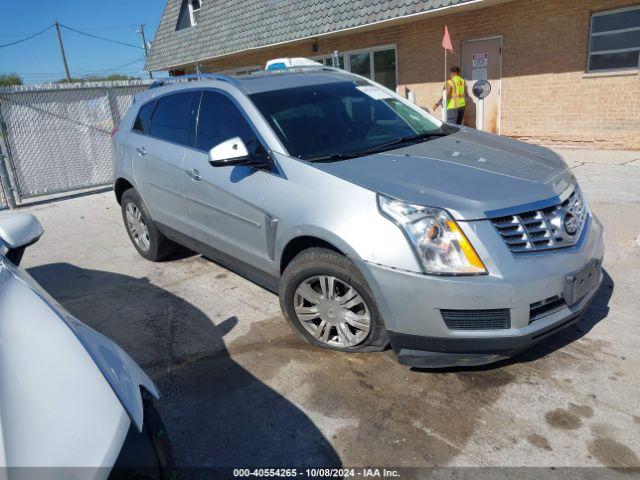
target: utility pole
146 47
64 56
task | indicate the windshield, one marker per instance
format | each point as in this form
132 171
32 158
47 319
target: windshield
341 119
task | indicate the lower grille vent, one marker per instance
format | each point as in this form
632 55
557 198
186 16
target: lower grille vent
546 307
477 319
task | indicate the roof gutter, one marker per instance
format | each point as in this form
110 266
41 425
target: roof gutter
470 5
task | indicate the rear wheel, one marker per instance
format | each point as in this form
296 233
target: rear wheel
327 302
145 236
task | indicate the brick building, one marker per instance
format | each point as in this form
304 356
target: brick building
563 72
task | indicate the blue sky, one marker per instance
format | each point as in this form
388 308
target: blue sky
38 60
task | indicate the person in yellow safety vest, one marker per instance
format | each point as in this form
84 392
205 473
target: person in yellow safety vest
456 93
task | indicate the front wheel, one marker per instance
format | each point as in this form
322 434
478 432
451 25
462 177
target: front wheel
328 303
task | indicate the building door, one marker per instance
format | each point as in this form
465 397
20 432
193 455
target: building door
482 60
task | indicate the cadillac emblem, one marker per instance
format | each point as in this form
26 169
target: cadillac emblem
570 224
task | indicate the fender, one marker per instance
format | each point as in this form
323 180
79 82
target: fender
314 231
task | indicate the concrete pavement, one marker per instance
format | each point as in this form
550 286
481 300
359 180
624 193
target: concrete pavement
240 389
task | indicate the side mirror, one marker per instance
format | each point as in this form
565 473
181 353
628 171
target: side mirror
17 232
229 152
234 152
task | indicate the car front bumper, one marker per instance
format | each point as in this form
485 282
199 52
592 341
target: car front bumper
411 303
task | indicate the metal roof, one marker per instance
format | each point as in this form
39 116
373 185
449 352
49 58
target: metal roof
229 26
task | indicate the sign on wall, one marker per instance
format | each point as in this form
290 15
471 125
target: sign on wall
480 63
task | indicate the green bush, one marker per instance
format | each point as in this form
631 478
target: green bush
8 79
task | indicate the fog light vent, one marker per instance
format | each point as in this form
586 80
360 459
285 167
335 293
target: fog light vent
546 307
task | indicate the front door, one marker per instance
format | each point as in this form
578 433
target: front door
225 203
482 60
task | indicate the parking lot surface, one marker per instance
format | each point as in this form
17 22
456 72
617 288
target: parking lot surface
240 389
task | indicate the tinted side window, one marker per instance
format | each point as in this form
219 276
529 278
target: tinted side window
221 120
173 118
141 125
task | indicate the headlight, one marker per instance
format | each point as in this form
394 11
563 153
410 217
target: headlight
443 249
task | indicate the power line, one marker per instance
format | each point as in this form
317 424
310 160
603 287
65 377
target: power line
110 27
87 27
101 38
63 54
28 38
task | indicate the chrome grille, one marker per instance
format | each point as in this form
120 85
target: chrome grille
544 229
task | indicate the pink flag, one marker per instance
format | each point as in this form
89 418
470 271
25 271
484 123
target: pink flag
446 40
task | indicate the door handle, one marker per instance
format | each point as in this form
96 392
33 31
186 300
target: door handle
194 174
141 151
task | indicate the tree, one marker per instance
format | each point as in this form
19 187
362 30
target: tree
8 79
96 78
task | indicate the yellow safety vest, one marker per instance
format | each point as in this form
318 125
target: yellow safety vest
457 93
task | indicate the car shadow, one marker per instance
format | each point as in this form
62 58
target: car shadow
595 313
180 253
216 412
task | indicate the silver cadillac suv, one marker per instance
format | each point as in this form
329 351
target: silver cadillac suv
375 222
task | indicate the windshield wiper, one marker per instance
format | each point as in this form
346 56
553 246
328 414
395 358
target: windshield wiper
335 156
378 148
410 138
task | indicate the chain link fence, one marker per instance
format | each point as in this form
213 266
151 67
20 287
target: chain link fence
4 203
55 138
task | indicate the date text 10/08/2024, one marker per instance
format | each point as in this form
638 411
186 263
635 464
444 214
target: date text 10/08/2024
316 472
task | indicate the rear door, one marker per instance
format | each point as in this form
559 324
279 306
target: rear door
225 204
482 60
158 155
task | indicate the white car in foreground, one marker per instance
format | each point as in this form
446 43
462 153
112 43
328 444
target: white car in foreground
69 396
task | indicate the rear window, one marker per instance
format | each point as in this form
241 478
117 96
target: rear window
173 118
141 125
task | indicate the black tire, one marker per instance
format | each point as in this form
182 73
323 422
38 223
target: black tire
158 245
322 261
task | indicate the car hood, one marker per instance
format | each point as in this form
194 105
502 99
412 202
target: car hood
67 393
470 173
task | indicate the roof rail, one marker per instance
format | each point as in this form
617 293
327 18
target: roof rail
232 80
192 77
296 69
